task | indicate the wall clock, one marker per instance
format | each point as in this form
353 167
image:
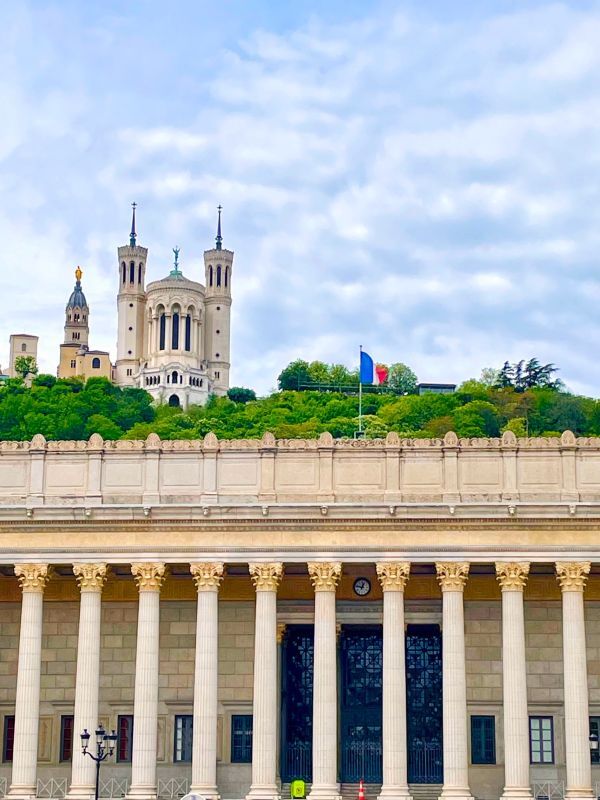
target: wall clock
362 587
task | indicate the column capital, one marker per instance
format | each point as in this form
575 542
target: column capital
512 575
452 575
32 577
149 575
207 575
393 575
281 629
572 575
90 577
266 576
325 575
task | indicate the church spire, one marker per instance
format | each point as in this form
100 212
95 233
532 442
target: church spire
219 237
133 234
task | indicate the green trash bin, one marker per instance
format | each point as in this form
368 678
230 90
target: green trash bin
297 789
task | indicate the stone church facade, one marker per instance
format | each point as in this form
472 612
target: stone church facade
423 614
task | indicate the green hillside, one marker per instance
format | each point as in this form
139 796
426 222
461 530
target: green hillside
69 409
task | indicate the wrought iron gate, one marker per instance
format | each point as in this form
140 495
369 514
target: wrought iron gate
362 684
424 703
296 703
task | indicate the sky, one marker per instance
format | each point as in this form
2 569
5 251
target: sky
421 179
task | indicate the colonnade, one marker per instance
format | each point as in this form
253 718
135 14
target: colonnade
325 576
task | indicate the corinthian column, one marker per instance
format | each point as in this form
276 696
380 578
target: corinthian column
393 576
452 576
572 576
33 579
207 577
149 577
512 577
91 578
325 577
266 578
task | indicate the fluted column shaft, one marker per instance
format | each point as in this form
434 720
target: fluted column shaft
572 577
393 577
91 578
325 577
452 577
33 579
208 577
266 578
512 577
149 577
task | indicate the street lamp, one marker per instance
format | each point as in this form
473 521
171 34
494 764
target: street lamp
105 747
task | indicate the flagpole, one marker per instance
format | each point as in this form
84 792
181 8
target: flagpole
360 390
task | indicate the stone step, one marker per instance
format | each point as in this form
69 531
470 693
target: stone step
349 791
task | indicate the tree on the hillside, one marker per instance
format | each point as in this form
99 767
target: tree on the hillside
239 394
401 379
489 377
318 372
25 365
294 376
528 375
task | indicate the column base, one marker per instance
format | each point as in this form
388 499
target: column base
518 793
325 792
81 793
264 792
142 793
456 793
579 794
209 792
394 792
22 792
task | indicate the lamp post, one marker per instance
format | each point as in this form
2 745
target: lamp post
105 747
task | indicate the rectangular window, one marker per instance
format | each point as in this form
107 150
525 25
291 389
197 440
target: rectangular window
595 729
66 737
483 740
188 332
73 363
125 737
162 327
241 738
175 331
183 738
541 740
9 739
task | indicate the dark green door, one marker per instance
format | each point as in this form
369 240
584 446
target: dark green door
296 703
361 696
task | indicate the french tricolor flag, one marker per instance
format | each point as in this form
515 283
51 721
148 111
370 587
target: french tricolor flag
371 372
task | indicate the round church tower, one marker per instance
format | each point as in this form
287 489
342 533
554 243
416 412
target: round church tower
174 370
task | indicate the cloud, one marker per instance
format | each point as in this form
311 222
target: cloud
424 185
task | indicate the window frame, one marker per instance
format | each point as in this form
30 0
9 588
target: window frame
126 759
479 734
595 728
65 752
182 751
540 719
246 747
8 738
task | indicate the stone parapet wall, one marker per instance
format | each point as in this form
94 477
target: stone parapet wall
300 471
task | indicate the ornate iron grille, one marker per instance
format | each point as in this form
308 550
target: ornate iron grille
424 703
296 703
362 687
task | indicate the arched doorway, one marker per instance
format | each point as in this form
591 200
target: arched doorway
174 401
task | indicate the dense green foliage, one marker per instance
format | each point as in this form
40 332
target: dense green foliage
301 376
70 409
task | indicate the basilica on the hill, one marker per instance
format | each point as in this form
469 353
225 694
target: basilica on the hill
173 333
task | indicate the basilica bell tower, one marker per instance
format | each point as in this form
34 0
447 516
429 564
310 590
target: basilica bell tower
131 304
218 266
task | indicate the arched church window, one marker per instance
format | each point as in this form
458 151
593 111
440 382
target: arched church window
218 274
210 275
124 272
140 274
23 348
162 330
188 332
132 272
226 276
95 363
175 336
174 376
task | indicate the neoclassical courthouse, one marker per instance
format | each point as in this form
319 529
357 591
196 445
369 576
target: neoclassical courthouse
422 614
